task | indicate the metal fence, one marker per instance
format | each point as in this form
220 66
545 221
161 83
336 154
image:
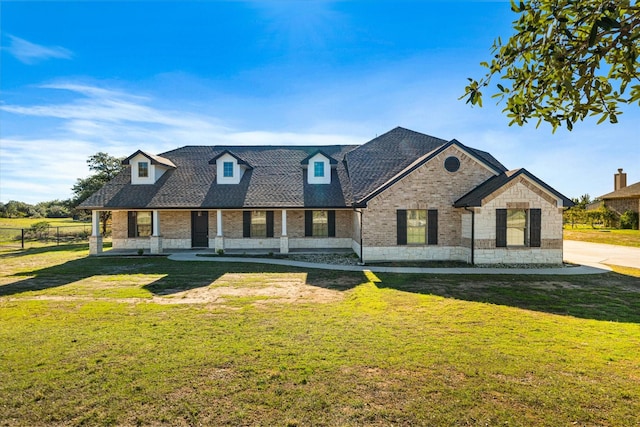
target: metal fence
23 238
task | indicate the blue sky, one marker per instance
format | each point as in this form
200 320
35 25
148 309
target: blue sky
82 77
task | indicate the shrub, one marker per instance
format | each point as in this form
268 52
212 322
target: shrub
629 220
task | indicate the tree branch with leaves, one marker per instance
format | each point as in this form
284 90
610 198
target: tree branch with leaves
567 60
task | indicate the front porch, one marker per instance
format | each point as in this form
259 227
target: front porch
230 231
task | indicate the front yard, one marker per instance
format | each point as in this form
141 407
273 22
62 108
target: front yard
148 341
602 235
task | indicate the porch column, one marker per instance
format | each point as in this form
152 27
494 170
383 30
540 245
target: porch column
284 239
95 241
219 244
155 239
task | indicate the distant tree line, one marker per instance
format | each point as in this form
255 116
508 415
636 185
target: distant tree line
104 166
51 209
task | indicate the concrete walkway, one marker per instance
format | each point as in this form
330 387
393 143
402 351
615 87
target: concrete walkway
597 254
583 269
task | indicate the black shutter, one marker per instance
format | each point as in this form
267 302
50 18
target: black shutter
402 226
501 228
269 223
131 223
246 223
432 227
308 223
331 217
535 225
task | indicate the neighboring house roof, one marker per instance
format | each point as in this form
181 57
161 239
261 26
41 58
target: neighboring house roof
475 196
376 165
629 192
155 160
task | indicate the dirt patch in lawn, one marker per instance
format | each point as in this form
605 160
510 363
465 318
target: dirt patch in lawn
261 288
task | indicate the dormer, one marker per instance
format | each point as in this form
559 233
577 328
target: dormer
147 168
229 167
318 166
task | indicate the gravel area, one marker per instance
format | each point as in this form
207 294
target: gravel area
326 258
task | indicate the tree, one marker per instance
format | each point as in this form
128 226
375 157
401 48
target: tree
568 59
106 167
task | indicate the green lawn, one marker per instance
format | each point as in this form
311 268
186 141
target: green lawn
602 235
148 341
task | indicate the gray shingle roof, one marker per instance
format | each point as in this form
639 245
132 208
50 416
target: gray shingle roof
475 196
276 180
277 177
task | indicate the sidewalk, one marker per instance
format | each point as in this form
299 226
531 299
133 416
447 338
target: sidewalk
569 271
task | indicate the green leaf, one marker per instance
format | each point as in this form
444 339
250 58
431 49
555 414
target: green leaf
593 34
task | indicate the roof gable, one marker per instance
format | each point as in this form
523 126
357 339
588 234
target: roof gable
474 197
385 160
305 161
235 156
155 160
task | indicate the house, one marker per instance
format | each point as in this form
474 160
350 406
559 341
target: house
402 196
622 198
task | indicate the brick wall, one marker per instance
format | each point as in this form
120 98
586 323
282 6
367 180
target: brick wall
428 187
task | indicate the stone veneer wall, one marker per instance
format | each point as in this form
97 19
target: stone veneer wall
428 187
519 194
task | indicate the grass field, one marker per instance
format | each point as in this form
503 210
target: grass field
149 341
608 236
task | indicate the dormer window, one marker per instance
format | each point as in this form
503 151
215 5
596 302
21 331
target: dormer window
229 167
228 170
143 169
318 167
147 168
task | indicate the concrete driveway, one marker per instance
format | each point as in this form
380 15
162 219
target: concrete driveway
594 254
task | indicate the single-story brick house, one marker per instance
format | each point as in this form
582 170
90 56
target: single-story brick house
623 197
401 196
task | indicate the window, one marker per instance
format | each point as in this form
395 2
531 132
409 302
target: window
257 224
320 223
318 169
227 169
518 227
417 227
143 169
140 224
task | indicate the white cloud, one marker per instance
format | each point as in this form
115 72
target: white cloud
31 53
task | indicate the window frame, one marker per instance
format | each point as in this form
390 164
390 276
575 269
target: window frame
258 224
313 229
416 232
227 169
531 231
135 226
430 227
143 169
318 169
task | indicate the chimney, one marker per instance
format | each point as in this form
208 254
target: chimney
619 180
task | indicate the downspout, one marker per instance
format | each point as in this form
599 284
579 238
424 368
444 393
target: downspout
361 251
473 231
